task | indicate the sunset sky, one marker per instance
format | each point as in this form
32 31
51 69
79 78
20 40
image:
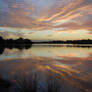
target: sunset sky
46 19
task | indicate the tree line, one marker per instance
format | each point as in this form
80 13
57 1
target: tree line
19 43
88 41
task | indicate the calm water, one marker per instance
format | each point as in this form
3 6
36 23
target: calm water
47 69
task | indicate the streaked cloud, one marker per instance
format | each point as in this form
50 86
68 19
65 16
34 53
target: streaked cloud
42 15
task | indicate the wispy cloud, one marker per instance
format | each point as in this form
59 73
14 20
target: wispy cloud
69 15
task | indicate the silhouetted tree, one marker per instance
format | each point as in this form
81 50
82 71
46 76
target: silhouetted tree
11 43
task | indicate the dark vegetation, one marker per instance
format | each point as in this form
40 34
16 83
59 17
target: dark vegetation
21 43
52 83
88 41
11 43
32 84
4 85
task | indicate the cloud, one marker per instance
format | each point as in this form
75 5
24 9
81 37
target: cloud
47 15
13 35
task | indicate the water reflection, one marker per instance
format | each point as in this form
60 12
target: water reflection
48 69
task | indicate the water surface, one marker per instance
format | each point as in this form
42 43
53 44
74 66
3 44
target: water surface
47 69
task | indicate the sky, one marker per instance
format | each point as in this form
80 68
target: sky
46 19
